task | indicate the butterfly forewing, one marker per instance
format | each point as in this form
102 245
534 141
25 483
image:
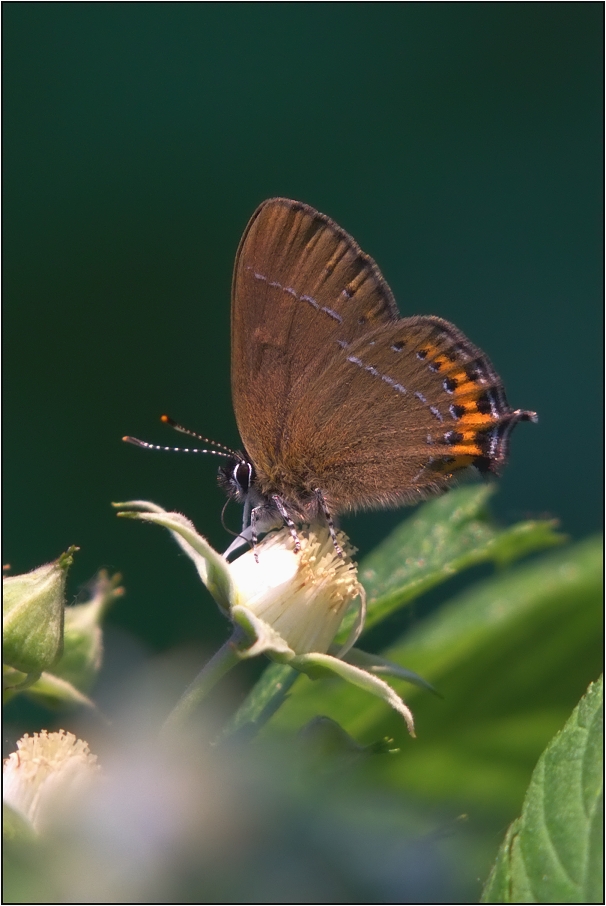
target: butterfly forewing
301 286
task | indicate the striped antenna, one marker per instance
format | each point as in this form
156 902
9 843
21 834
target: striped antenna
143 443
173 424
222 450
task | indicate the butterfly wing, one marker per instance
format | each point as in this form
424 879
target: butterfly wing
396 414
301 285
333 391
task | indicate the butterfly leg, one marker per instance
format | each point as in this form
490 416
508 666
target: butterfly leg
331 526
254 535
287 520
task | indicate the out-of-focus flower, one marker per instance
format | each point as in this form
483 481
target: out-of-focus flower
288 605
46 771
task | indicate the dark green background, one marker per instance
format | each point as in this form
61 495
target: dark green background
460 143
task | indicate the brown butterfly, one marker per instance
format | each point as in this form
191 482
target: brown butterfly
341 404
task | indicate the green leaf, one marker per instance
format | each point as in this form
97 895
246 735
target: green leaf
511 656
444 537
553 852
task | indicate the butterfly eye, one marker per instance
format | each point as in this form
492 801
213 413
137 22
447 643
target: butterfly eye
242 476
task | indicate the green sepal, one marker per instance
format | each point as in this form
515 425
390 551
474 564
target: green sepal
83 636
261 637
317 666
52 691
211 566
380 666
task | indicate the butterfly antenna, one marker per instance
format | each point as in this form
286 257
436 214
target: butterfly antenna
147 446
225 452
173 424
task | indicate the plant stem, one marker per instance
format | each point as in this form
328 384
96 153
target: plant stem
220 663
262 702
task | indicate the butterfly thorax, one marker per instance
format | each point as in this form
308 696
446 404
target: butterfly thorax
296 490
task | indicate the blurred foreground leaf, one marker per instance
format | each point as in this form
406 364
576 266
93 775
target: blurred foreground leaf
553 853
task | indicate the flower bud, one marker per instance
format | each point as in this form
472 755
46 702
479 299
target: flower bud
83 636
32 623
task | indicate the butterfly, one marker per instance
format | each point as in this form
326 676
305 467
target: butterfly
341 404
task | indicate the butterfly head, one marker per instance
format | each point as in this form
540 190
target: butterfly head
237 477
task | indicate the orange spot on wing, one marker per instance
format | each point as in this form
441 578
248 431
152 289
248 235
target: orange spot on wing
466 451
459 461
475 420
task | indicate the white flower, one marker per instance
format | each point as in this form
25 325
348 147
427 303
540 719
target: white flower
302 596
45 772
288 605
